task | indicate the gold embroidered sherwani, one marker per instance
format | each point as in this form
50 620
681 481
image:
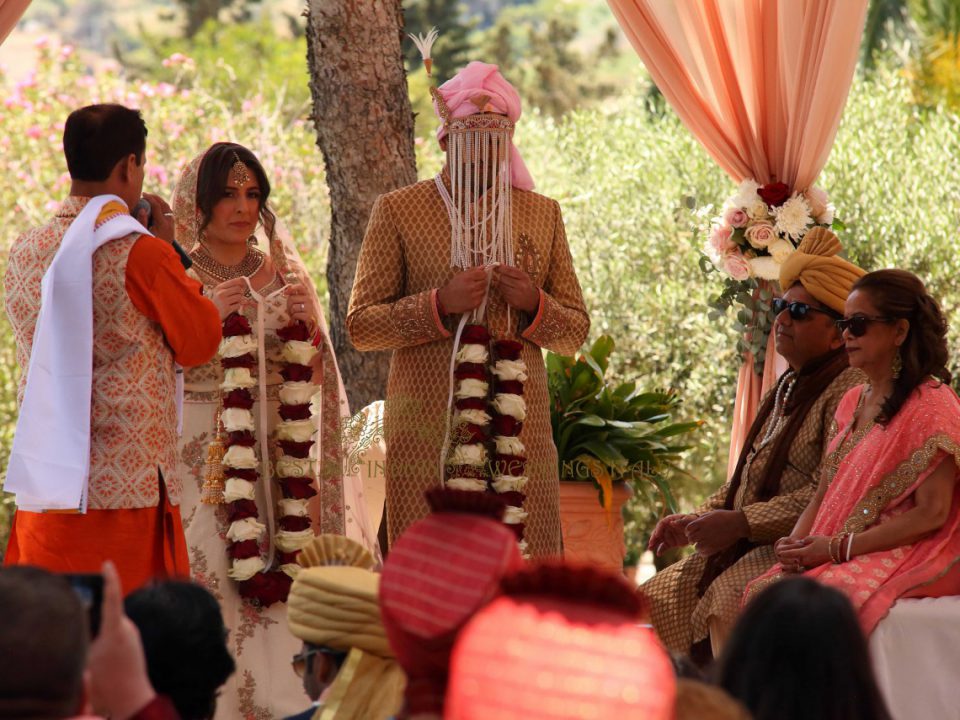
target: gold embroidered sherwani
679 616
405 258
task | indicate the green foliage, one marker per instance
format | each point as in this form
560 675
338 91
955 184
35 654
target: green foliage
606 432
453 49
198 13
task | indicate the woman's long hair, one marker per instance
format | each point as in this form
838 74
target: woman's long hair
901 294
212 179
798 653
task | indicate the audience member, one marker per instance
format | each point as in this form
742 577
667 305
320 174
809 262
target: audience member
798 653
184 641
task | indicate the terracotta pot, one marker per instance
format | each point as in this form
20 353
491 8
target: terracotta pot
590 535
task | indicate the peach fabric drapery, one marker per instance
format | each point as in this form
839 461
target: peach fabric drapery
761 84
10 13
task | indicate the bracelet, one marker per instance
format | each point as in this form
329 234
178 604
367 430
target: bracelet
849 545
834 548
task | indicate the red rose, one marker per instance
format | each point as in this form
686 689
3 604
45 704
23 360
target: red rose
476 371
468 434
294 331
774 194
513 465
287 558
266 588
295 412
512 498
242 361
471 404
475 335
236 324
508 349
295 449
243 438
238 399
467 471
297 373
297 488
518 530
248 474
243 550
241 509
510 387
293 523
506 425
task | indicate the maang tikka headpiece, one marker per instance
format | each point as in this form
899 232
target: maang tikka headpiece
239 172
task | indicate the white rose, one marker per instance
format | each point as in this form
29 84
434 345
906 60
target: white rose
758 210
293 541
245 569
746 194
765 267
299 352
524 553
508 445
296 430
514 515
293 507
291 569
472 484
237 345
509 483
297 393
472 353
294 467
473 417
246 529
239 456
236 419
238 489
781 250
237 378
512 405
472 388
511 370
468 455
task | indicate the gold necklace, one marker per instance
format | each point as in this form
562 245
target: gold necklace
248 267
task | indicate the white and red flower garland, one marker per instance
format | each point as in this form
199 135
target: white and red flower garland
486 453
293 470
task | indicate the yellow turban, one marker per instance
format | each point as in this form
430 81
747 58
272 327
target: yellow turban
334 602
816 266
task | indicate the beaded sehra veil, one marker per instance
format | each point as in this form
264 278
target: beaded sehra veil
342 507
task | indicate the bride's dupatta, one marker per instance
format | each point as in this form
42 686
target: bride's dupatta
872 475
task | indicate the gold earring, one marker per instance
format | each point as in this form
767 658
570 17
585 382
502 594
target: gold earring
897 365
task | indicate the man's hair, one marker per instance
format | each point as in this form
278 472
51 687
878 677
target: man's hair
43 645
185 642
97 137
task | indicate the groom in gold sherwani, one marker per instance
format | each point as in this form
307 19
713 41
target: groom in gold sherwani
407 297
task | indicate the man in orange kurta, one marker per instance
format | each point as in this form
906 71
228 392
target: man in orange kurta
148 316
407 297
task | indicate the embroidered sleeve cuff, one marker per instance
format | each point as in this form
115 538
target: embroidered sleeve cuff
528 334
417 320
435 304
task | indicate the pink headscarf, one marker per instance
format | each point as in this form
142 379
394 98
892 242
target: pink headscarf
479 78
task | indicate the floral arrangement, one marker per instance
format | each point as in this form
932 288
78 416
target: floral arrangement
240 463
759 228
485 428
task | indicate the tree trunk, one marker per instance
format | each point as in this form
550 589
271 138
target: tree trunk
364 125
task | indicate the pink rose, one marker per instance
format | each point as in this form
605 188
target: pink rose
720 239
761 234
736 266
735 217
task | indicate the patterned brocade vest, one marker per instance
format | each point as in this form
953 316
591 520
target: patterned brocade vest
133 423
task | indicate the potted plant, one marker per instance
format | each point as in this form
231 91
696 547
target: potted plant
610 438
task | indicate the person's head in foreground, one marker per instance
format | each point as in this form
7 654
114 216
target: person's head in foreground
816 283
105 147
185 642
798 653
561 642
896 333
333 607
43 646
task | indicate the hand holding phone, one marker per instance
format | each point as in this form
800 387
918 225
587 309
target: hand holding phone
89 588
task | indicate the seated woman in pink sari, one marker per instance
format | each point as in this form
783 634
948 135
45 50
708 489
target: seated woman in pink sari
885 521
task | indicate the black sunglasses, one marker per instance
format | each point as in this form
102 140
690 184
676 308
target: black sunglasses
858 324
799 310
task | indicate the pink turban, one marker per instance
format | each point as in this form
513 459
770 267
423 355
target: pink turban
479 78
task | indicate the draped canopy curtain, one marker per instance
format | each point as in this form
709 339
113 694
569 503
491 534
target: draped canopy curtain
762 85
10 14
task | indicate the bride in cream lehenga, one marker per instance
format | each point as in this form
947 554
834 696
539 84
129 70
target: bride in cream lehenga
223 220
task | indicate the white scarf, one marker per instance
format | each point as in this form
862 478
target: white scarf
50 461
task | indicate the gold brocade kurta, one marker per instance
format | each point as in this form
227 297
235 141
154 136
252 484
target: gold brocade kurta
679 616
405 258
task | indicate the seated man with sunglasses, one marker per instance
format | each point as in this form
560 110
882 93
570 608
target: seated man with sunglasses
694 602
